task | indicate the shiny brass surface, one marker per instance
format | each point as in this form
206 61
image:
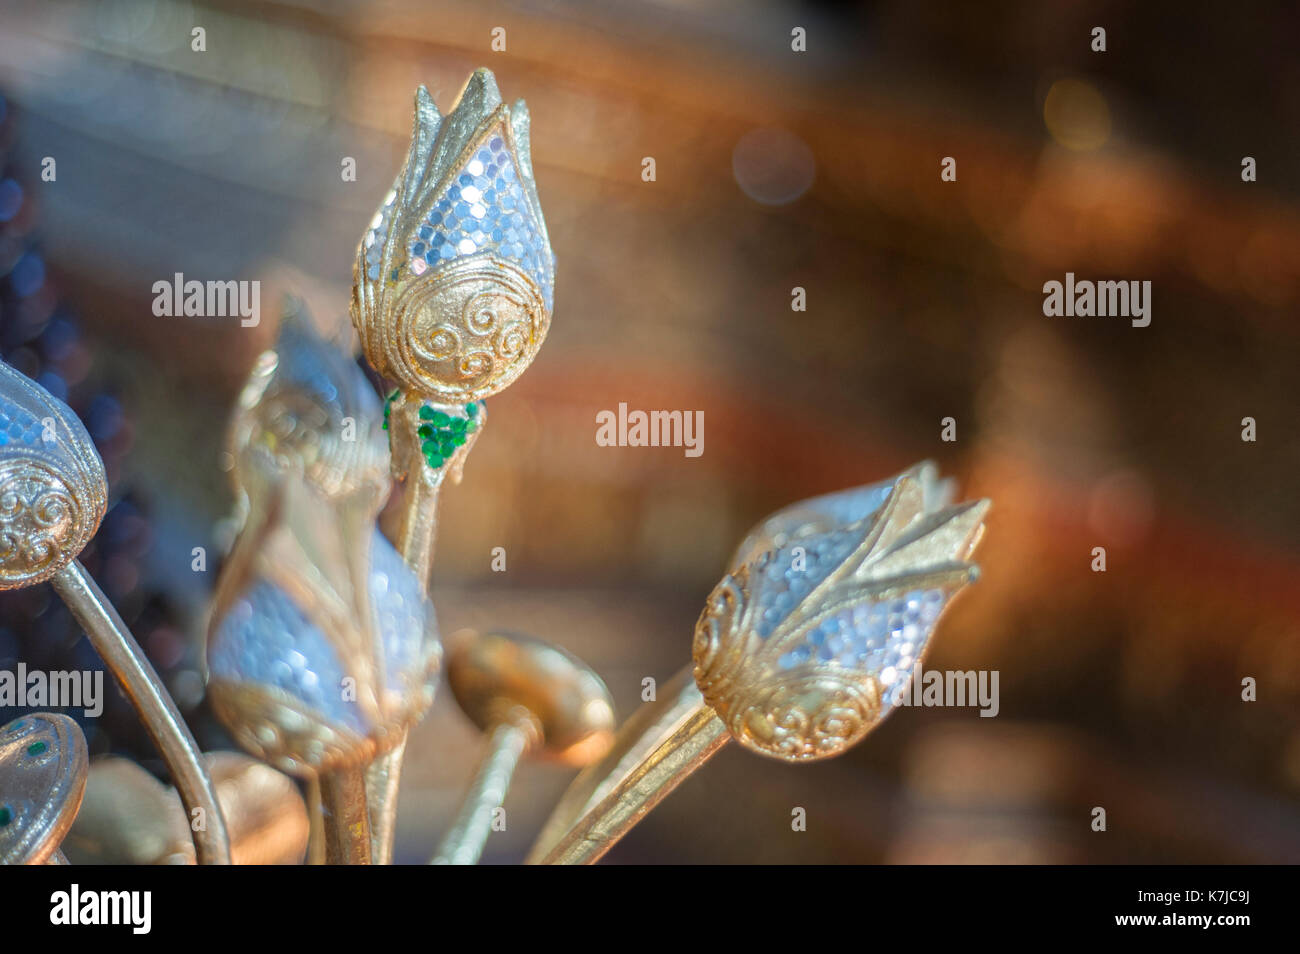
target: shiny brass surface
464 841
42 778
650 782
492 674
529 697
130 818
637 738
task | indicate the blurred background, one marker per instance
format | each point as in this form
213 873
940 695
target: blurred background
775 169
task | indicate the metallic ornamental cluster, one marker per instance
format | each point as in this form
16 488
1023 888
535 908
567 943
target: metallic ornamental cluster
323 648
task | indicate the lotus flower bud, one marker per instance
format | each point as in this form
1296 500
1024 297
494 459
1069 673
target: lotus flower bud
454 278
52 487
804 648
322 647
308 409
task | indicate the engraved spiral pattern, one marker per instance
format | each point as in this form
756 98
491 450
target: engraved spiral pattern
715 653
811 718
454 280
42 527
466 332
52 489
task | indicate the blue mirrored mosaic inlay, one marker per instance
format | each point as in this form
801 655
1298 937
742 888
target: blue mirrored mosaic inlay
885 639
401 613
267 639
18 426
785 582
484 209
376 235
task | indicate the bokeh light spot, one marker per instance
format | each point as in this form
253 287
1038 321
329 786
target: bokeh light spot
773 166
1077 115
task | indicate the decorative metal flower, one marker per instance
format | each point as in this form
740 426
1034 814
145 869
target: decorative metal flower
817 515
454 278
52 488
804 648
296 690
322 647
307 408
43 766
801 650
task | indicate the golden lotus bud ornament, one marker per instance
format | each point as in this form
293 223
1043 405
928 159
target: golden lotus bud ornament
306 408
801 650
322 649
452 295
454 278
804 649
52 489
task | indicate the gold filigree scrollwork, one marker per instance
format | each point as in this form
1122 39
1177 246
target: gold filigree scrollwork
465 332
39 523
812 717
52 489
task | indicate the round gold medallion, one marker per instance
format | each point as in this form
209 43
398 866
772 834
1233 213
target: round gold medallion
467 332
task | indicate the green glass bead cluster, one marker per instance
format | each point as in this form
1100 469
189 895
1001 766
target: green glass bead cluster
440 433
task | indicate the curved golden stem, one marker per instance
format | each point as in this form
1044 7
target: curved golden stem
643 732
343 813
650 782
120 652
464 841
419 534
